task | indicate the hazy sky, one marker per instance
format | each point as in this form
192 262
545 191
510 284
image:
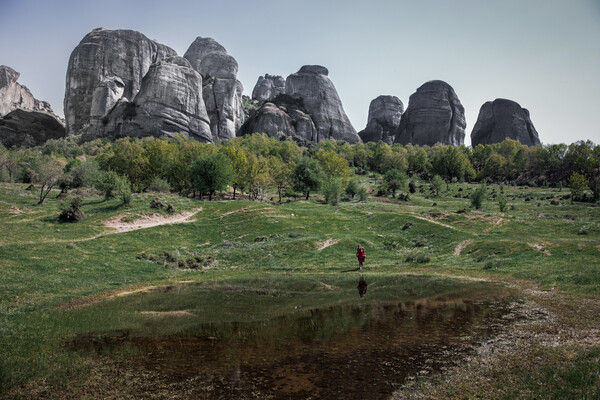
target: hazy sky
543 54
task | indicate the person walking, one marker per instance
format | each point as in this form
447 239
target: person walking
360 255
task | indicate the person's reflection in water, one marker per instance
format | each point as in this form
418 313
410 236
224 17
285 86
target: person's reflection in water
362 287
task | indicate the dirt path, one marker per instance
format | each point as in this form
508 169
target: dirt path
433 221
326 243
460 247
149 221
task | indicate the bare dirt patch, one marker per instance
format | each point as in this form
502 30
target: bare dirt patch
326 243
461 246
325 286
540 247
148 221
433 221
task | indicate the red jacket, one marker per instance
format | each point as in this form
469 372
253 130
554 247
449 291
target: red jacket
360 254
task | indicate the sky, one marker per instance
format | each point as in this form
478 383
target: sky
543 54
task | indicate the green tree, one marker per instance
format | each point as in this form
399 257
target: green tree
352 188
332 189
211 173
281 174
114 185
436 184
333 165
47 175
594 184
395 180
577 183
451 161
308 176
241 167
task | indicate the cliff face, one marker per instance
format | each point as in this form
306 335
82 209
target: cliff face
169 101
221 91
385 113
501 119
14 96
24 120
121 56
434 115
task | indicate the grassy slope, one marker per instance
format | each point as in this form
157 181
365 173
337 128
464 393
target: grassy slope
45 264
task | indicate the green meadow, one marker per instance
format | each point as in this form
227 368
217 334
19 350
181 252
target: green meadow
255 261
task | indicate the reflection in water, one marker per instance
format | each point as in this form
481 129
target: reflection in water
362 286
342 352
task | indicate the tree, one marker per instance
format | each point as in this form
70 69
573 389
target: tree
332 189
48 175
352 188
211 173
334 166
436 184
577 183
281 174
308 176
594 184
238 158
451 161
395 180
113 185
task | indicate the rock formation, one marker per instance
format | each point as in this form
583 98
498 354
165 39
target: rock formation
268 87
14 96
29 128
283 115
169 101
310 108
221 91
501 119
385 113
321 101
434 115
104 60
24 120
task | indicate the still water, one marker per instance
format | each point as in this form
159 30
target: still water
349 352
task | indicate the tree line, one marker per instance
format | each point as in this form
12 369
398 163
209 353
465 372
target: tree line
254 164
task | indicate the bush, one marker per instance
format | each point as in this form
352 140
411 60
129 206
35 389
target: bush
113 185
72 213
362 193
436 184
478 196
502 202
85 174
352 188
332 189
159 185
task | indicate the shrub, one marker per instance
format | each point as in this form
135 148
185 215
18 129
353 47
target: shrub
362 193
577 183
352 188
332 189
478 196
85 174
502 202
72 213
113 185
412 187
436 184
159 185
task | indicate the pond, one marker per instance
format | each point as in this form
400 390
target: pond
350 351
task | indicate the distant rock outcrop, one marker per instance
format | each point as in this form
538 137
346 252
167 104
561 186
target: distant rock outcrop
310 108
501 119
312 85
268 87
283 115
24 120
434 115
23 128
385 113
169 101
14 96
102 62
221 90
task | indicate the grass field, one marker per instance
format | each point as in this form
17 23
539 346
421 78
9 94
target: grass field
255 261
